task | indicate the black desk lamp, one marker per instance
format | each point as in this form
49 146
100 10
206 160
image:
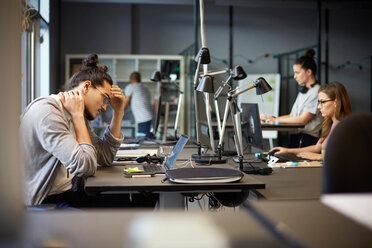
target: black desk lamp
237 74
206 83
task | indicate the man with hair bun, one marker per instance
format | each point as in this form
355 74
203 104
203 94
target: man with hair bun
58 143
304 110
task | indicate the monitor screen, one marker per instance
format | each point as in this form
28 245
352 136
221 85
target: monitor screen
251 126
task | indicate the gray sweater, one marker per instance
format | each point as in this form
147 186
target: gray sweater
48 143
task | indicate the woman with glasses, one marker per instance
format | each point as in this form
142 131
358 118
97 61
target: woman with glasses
334 104
304 110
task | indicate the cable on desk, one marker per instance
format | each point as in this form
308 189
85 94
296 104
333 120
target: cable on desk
185 164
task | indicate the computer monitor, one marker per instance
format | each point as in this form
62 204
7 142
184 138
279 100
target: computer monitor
203 129
250 126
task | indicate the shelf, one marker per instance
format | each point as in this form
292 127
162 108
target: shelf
122 65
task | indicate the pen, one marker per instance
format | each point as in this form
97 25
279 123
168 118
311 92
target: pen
140 176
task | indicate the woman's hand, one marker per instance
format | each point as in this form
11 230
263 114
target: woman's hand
117 99
267 118
310 155
280 150
73 102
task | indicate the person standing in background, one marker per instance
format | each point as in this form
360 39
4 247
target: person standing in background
304 110
138 96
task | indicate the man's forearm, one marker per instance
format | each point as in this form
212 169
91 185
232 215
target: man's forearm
115 125
81 131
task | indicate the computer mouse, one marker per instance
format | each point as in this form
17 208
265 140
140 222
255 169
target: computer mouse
271 153
265 171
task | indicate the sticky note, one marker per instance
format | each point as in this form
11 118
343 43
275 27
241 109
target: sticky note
133 170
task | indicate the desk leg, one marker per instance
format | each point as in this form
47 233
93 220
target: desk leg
271 143
171 200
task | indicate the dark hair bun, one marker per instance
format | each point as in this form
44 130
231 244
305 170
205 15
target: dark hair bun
90 61
310 53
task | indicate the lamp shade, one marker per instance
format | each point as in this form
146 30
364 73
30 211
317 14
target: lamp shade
262 86
206 84
155 76
203 56
238 73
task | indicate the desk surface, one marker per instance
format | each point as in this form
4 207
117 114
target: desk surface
113 179
281 127
291 184
309 222
314 224
109 228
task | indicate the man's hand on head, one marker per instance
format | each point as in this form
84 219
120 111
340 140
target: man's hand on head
73 102
117 99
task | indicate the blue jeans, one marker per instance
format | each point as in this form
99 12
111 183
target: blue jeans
144 129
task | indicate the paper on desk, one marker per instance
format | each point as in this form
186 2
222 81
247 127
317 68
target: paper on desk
136 153
356 206
129 145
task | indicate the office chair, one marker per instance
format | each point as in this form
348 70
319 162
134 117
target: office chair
348 158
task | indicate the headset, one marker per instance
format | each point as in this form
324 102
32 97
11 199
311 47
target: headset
150 159
303 89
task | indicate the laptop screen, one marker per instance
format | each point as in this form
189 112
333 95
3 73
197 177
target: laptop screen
176 151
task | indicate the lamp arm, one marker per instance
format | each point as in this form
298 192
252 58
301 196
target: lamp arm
197 73
219 90
177 87
178 112
209 120
250 86
215 72
218 117
196 102
237 139
222 85
225 115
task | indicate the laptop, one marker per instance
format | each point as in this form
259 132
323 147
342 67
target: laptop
168 164
132 154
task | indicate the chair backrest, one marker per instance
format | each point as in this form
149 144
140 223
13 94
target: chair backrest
348 158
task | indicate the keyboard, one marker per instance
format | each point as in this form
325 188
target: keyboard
288 157
248 160
153 168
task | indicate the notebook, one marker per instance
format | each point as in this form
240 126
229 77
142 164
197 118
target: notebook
160 169
204 175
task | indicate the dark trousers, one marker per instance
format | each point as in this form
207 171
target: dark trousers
80 199
297 140
144 128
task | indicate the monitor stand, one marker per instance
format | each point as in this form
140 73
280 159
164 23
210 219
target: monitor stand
207 159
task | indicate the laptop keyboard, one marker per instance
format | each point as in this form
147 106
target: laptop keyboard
153 168
288 157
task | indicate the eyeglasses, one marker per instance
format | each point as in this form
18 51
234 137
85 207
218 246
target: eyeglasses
106 98
321 102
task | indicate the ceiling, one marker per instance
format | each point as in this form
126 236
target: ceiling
249 3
